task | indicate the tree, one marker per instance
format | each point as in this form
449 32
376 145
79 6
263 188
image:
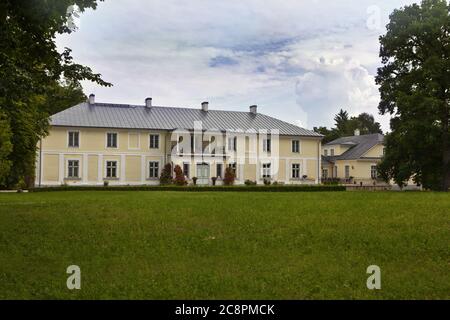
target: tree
31 70
180 180
229 177
341 121
414 84
345 126
166 175
5 149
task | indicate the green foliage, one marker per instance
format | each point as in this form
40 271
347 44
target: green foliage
179 180
250 183
414 84
166 175
229 177
35 79
5 149
346 126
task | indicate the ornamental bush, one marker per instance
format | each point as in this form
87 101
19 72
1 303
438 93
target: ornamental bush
180 179
229 178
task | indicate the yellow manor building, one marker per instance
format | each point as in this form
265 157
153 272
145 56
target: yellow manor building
92 142
353 159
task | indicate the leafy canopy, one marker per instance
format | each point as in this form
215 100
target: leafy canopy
414 85
36 79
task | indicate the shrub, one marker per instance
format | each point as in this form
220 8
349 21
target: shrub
194 180
105 183
250 183
180 179
166 175
280 188
214 179
267 182
229 177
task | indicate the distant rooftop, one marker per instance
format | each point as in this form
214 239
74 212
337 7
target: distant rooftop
108 115
359 145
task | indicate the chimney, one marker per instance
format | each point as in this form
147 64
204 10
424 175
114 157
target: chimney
254 109
92 99
148 102
205 106
357 132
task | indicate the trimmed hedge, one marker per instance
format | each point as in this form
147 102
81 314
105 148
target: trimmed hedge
271 188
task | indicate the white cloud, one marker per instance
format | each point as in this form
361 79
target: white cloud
298 60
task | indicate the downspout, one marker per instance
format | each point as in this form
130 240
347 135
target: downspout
40 162
319 161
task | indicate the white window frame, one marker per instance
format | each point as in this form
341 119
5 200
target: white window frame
68 171
325 176
139 140
148 169
299 171
189 169
232 144
68 138
267 145
117 169
150 141
117 140
345 171
266 170
372 176
222 170
293 141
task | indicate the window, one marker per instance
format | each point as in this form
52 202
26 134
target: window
111 169
266 171
374 172
347 172
153 168
111 140
295 171
73 168
325 152
324 173
154 141
295 146
186 169
232 142
219 170
266 145
332 152
74 139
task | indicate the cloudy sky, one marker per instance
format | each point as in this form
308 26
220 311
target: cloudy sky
298 60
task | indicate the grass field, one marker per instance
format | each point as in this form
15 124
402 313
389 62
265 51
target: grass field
175 245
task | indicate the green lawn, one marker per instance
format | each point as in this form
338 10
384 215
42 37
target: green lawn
176 245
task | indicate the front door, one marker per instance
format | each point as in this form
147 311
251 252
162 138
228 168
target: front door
202 174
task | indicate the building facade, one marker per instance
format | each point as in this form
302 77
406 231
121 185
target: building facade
353 159
91 143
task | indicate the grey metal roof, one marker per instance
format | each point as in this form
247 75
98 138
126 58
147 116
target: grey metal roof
169 118
361 144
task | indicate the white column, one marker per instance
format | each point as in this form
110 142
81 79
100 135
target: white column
100 168
85 168
122 168
41 173
143 169
61 168
287 165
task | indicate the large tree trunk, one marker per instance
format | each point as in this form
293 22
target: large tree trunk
445 149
